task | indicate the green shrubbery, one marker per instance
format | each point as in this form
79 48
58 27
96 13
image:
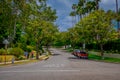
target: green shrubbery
111 46
2 51
17 52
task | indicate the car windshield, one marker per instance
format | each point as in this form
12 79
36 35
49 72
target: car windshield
77 50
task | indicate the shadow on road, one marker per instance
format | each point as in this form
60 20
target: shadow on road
73 58
56 54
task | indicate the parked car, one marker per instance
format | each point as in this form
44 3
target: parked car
80 54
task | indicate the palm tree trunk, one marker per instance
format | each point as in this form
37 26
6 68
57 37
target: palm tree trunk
97 4
116 6
72 21
117 14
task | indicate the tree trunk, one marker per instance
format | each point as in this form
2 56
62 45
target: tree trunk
14 34
84 46
41 50
65 46
118 25
80 16
97 4
102 51
37 51
73 46
47 46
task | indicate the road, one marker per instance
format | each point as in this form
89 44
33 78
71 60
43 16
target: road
62 66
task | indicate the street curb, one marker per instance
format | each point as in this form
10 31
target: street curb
44 57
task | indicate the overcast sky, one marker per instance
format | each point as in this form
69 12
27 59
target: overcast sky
63 8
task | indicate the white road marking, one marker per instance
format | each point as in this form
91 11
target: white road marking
40 71
54 65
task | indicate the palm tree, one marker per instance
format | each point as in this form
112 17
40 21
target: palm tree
81 10
97 4
72 14
74 7
90 5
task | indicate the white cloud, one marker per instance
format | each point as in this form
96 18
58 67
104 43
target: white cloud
65 23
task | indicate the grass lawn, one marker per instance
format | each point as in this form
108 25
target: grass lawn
106 59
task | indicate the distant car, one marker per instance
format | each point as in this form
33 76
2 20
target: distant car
80 54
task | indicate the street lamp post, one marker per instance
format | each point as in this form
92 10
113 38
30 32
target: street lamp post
6 43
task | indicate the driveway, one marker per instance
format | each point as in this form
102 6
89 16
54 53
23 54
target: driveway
62 66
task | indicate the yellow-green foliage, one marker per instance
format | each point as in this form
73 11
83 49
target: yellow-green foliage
17 52
2 51
8 58
34 53
30 48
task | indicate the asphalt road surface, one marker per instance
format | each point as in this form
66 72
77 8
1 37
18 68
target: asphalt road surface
62 66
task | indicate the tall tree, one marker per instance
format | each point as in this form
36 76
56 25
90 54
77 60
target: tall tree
74 7
41 24
99 28
81 8
73 14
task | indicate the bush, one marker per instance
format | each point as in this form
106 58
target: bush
21 58
112 45
2 51
17 52
30 48
9 50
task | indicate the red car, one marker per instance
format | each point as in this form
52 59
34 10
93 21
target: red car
80 54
